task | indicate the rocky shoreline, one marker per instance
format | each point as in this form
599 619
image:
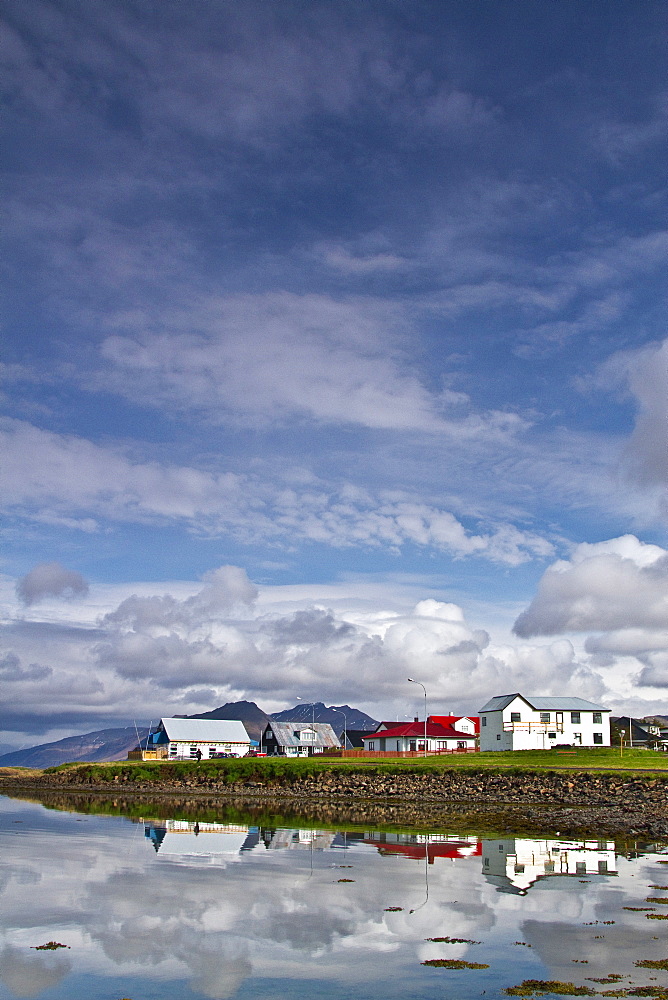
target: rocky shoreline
569 803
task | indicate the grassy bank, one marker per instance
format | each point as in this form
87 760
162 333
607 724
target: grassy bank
282 770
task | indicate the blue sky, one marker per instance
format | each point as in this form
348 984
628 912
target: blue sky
342 322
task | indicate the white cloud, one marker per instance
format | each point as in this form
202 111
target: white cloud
618 584
280 356
45 475
645 373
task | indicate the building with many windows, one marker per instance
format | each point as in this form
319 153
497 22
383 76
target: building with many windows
518 722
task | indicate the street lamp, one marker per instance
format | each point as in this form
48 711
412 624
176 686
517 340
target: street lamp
312 721
345 726
411 681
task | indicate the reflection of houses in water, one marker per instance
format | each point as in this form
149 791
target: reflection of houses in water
419 846
514 864
311 840
199 842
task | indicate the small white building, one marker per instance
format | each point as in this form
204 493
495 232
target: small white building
186 739
518 722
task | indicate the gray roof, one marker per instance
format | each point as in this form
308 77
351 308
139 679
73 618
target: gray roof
203 730
541 704
285 734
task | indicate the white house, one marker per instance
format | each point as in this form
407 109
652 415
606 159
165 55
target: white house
515 864
409 737
211 737
517 722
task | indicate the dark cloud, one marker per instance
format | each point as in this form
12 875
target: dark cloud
50 580
11 669
310 627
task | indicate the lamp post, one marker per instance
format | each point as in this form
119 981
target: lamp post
412 681
312 723
345 726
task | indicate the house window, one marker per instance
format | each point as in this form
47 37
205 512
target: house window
269 737
411 745
598 738
551 736
372 745
575 718
398 744
461 745
577 739
307 736
597 718
484 720
580 867
498 736
515 717
603 867
544 716
421 746
519 869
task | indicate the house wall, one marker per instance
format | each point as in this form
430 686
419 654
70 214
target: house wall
182 749
403 743
498 730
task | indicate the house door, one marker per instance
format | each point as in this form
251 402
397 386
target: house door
560 722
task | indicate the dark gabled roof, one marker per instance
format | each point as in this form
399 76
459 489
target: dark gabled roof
541 704
355 736
285 734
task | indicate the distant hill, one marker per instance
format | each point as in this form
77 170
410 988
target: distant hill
253 718
318 712
105 744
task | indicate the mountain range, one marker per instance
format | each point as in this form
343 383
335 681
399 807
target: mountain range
104 744
114 744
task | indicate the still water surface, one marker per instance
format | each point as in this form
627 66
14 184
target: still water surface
169 908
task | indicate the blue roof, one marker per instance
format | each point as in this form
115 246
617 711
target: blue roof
541 704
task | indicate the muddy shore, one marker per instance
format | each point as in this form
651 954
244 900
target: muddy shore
573 803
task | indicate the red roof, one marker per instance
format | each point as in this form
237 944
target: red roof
417 852
449 720
416 729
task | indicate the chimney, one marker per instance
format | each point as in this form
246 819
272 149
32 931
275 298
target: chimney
415 719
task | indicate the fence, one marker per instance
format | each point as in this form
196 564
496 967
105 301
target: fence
371 754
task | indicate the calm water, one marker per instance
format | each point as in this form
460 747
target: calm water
177 909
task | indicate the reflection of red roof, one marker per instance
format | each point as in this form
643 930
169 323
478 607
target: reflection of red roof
434 729
450 720
452 849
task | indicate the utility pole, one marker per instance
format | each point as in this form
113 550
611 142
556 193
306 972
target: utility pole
410 679
345 726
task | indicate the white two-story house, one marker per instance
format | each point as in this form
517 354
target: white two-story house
518 722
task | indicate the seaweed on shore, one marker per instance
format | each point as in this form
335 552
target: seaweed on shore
453 963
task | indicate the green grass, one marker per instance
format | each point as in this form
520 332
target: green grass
283 770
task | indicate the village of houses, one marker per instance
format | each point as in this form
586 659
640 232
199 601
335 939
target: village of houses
505 723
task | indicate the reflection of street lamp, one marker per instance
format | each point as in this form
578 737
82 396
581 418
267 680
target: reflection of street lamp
345 725
410 679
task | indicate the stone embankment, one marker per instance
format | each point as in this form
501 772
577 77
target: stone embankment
605 803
